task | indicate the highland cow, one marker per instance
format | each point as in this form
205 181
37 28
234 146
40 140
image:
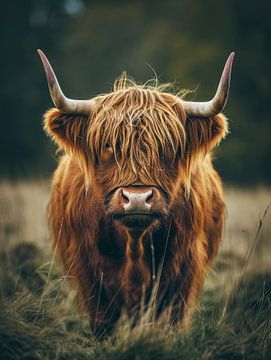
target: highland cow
136 209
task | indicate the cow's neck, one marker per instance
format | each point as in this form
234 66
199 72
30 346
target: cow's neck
134 246
140 256
118 244
136 275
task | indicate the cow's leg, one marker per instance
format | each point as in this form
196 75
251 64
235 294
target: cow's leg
104 308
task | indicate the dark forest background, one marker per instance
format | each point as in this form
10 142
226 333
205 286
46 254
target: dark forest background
89 43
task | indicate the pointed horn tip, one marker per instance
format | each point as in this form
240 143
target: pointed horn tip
47 67
43 57
230 59
41 53
226 74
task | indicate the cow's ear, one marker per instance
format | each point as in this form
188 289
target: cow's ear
204 134
67 131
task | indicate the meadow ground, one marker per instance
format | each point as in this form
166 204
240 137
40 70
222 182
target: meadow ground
39 320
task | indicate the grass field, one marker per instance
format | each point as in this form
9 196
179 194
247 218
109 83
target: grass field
39 320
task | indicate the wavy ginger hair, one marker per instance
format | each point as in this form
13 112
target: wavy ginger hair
142 125
135 133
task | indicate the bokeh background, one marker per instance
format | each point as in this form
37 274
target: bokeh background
90 42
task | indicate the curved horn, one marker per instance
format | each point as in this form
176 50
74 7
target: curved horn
62 103
217 104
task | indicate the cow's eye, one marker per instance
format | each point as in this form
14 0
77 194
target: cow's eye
107 152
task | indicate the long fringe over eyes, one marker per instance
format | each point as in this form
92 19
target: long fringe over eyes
141 125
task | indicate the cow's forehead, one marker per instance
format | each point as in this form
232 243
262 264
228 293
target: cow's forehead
138 124
132 105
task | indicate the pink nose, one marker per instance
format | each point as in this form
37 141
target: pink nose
136 202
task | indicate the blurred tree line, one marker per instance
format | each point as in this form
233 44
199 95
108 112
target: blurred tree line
89 43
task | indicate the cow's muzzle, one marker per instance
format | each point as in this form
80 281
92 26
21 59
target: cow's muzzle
137 206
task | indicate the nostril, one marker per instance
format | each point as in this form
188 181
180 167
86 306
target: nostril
125 197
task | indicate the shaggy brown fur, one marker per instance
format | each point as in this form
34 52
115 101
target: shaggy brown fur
136 134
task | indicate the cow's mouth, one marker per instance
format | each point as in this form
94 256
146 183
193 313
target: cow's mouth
138 219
